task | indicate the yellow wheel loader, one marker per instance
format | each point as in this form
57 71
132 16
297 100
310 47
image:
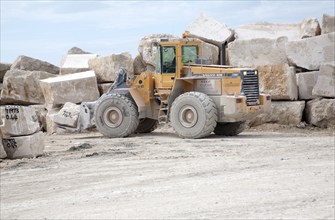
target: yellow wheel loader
195 97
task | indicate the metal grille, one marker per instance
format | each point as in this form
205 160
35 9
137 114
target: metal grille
250 88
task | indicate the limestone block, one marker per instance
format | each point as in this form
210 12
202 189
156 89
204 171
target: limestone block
106 68
210 52
104 87
139 65
3 153
24 146
22 87
310 53
257 52
306 82
310 27
51 125
77 50
209 30
147 50
4 67
75 88
321 112
31 64
325 84
282 112
18 120
86 116
279 81
68 115
41 112
328 24
75 63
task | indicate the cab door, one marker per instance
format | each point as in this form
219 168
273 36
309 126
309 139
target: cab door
168 65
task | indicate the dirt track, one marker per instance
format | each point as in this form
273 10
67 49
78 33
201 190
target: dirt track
285 174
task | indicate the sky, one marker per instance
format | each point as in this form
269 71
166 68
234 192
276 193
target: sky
46 30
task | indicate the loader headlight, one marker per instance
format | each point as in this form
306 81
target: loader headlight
245 73
256 72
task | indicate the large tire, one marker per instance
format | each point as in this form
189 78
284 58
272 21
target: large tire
146 125
229 128
193 115
116 116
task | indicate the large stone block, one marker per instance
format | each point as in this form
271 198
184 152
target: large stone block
4 67
139 65
325 84
307 28
279 81
41 112
257 52
68 115
210 30
77 50
31 64
311 52
18 120
24 146
148 51
321 112
328 24
75 88
106 68
23 87
104 87
282 112
75 63
306 82
210 52
3 153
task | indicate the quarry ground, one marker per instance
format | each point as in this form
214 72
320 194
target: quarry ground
271 172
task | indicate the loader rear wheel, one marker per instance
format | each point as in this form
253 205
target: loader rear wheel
116 116
229 128
193 115
146 125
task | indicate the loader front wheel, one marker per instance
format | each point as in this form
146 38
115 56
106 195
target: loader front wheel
229 128
146 125
193 115
116 116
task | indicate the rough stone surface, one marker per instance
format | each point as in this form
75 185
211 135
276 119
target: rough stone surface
307 28
68 115
325 85
209 30
31 64
306 82
75 88
257 52
146 49
86 116
311 52
107 67
321 112
328 24
24 146
3 153
279 81
282 112
75 63
41 112
139 65
77 50
23 87
103 87
4 67
210 52
18 121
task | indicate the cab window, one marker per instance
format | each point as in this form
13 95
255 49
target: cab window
168 59
189 53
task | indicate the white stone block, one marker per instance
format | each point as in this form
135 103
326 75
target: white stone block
74 63
31 64
104 87
328 24
306 82
279 81
310 53
68 115
24 146
75 88
18 120
3 153
106 68
325 85
321 112
209 30
257 52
